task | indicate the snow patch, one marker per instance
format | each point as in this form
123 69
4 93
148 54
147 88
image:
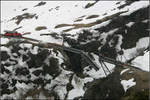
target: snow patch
142 62
78 88
141 45
128 83
124 71
130 24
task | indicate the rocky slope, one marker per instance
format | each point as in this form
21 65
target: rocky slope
31 72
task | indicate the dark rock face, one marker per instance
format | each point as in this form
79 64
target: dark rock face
4 70
141 95
37 72
25 57
108 51
130 34
135 32
37 60
91 46
16 50
53 68
5 88
38 81
75 61
4 56
22 71
108 88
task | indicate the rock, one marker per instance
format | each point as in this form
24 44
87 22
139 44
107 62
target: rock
37 72
53 68
22 71
4 56
108 88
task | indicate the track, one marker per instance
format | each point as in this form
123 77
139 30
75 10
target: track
102 59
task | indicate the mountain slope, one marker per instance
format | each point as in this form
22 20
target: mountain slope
117 29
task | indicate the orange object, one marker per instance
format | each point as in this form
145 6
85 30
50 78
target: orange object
13 34
123 65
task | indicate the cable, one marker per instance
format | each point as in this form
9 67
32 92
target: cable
106 67
103 68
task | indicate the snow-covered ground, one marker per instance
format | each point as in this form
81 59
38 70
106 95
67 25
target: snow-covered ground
66 13
142 62
62 12
55 13
128 83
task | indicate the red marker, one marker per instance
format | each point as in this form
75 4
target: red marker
123 65
13 34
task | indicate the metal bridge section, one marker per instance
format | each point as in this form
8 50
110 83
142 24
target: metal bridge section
102 59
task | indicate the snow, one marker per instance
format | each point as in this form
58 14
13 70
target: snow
34 50
78 88
25 45
5 49
78 85
100 73
142 44
104 35
145 21
8 96
142 62
41 96
4 40
88 79
66 14
10 68
118 45
94 74
48 77
135 6
21 86
61 91
123 71
29 98
128 83
59 84
130 24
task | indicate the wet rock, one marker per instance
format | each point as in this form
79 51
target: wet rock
4 56
4 70
39 81
53 68
37 72
37 60
108 51
108 88
25 58
22 71
75 61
